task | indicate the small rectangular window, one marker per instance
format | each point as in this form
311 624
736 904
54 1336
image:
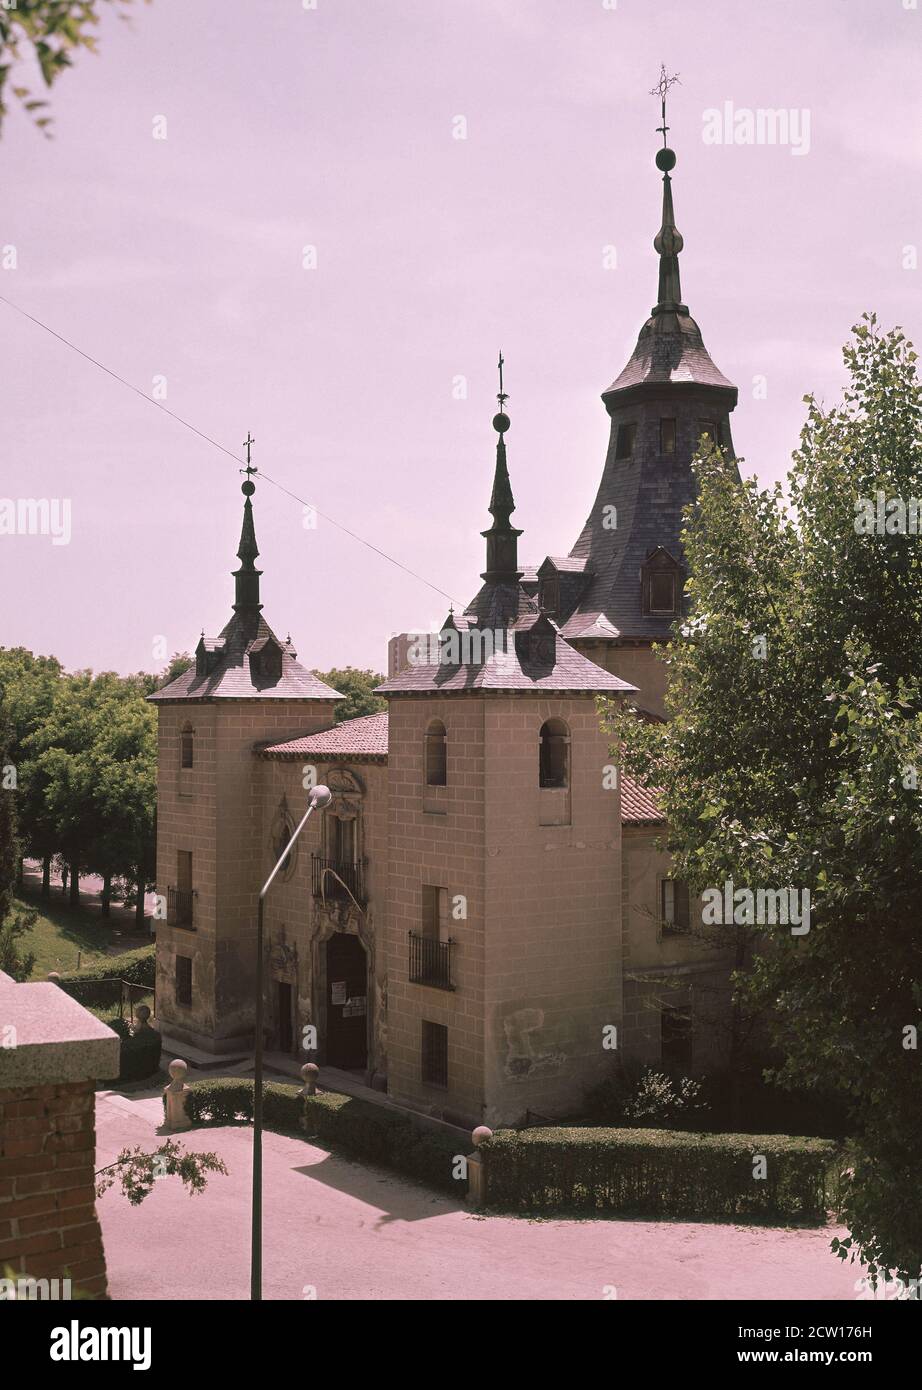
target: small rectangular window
662 592
184 980
674 905
667 436
550 595
434 1058
707 429
627 435
184 870
435 923
676 1039
186 747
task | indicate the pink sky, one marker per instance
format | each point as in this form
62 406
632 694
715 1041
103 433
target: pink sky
333 127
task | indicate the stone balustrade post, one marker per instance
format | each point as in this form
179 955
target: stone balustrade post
476 1170
309 1074
175 1095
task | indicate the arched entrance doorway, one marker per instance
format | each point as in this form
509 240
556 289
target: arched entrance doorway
347 1002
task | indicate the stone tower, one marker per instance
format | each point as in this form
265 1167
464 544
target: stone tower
213 848
503 902
620 588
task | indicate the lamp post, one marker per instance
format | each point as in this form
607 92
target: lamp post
318 798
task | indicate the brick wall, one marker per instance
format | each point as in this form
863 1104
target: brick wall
48 1223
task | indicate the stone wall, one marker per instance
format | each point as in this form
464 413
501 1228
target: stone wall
217 814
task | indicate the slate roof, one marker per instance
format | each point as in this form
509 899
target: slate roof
232 677
670 350
512 666
638 803
365 737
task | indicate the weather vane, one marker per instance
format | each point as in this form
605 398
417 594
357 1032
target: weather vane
661 90
502 396
250 468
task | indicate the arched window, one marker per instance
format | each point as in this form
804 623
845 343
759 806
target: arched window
554 759
436 755
186 744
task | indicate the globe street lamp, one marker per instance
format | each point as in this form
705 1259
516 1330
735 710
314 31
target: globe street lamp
318 798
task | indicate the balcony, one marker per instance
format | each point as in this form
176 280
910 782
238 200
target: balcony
179 907
430 961
338 880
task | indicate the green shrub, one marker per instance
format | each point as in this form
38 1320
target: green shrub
664 1102
373 1132
139 1055
654 1172
93 986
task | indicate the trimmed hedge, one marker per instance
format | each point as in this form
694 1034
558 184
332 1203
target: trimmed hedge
134 967
369 1131
139 1055
667 1173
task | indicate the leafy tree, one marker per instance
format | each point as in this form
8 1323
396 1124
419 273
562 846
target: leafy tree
358 688
50 31
136 1170
95 754
794 760
14 922
29 683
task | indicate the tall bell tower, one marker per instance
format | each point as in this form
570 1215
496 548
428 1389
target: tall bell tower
621 587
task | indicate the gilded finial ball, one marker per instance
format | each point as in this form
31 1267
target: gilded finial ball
501 422
248 488
665 160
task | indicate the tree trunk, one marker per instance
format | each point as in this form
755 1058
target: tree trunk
139 905
46 876
107 894
20 872
74 886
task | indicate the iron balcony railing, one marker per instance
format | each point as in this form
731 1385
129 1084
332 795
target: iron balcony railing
179 906
338 878
430 961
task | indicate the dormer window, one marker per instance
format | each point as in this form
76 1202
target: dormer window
661 585
627 436
662 593
550 595
667 436
266 661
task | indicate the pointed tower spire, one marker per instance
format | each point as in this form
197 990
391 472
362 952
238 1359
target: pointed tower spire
668 241
502 537
246 578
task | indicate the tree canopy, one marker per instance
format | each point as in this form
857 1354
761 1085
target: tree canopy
793 759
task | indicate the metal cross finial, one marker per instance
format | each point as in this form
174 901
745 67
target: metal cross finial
502 396
661 90
249 468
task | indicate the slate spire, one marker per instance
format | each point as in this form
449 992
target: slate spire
246 578
502 537
667 243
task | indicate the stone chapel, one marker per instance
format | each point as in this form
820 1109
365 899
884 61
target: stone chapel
481 923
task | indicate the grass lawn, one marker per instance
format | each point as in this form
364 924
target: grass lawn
62 935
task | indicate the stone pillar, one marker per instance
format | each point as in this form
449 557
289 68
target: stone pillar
175 1094
476 1171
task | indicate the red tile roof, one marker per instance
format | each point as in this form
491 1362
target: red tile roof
365 737
639 805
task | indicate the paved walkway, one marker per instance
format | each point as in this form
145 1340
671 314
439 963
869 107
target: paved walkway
336 1229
